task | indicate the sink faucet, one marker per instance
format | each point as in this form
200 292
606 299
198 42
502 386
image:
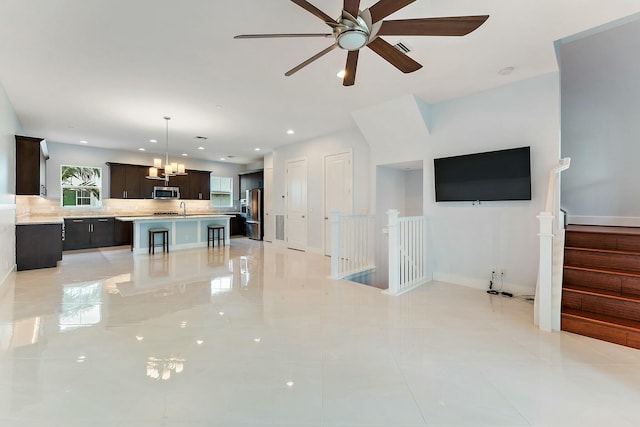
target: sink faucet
184 208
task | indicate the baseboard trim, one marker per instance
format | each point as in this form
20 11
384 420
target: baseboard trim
5 280
482 284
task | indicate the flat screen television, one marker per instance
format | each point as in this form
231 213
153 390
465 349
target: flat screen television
489 176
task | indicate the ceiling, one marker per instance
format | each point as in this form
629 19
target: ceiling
108 71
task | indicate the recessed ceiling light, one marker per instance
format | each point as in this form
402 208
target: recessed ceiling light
223 159
200 148
153 140
341 74
83 142
141 149
184 154
506 71
256 149
291 131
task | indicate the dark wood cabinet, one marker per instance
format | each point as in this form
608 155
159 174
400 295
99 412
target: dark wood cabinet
123 233
199 185
146 187
77 233
31 170
102 232
238 225
182 182
250 180
38 245
126 181
84 233
130 182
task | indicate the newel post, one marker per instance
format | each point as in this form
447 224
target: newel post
545 272
394 256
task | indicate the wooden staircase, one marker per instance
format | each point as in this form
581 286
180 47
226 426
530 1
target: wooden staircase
601 283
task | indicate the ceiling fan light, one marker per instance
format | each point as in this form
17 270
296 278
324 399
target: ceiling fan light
352 39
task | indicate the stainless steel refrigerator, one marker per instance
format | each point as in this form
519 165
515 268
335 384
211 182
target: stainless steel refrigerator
254 214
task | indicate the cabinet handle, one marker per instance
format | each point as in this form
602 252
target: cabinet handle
124 194
103 220
78 220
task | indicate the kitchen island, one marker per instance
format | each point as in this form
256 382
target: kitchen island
185 232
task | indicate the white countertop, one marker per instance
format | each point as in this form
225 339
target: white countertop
171 217
44 219
52 219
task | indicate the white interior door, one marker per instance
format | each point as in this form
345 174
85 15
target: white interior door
269 219
297 204
338 195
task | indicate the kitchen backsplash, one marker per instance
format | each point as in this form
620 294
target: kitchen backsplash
39 206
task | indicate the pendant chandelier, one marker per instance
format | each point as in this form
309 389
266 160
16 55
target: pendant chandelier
170 169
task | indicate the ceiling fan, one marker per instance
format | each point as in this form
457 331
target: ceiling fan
355 29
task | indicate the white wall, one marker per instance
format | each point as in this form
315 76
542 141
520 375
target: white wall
70 154
414 200
600 126
314 151
391 194
468 241
9 127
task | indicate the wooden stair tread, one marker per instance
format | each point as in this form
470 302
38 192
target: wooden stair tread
596 270
608 294
603 319
603 229
606 251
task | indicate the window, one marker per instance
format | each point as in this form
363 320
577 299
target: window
221 191
81 186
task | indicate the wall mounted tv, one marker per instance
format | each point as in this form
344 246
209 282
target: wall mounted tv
489 176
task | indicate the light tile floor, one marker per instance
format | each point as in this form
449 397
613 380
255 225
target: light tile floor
252 335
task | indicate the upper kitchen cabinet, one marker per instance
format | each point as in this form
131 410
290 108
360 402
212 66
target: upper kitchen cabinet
182 182
199 185
126 181
31 170
221 191
250 180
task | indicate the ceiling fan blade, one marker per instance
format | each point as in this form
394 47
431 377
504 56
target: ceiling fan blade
451 26
393 56
352 7
384 8
314 10
350 69
310 60
272 36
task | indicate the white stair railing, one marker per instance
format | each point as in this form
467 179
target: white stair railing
351 244
548 296
407 253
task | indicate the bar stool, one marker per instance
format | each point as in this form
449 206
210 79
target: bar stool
164 233
214 230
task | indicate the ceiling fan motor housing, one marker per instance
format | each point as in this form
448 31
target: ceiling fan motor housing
352 35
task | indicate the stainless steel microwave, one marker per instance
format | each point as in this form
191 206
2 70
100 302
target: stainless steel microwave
166 193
